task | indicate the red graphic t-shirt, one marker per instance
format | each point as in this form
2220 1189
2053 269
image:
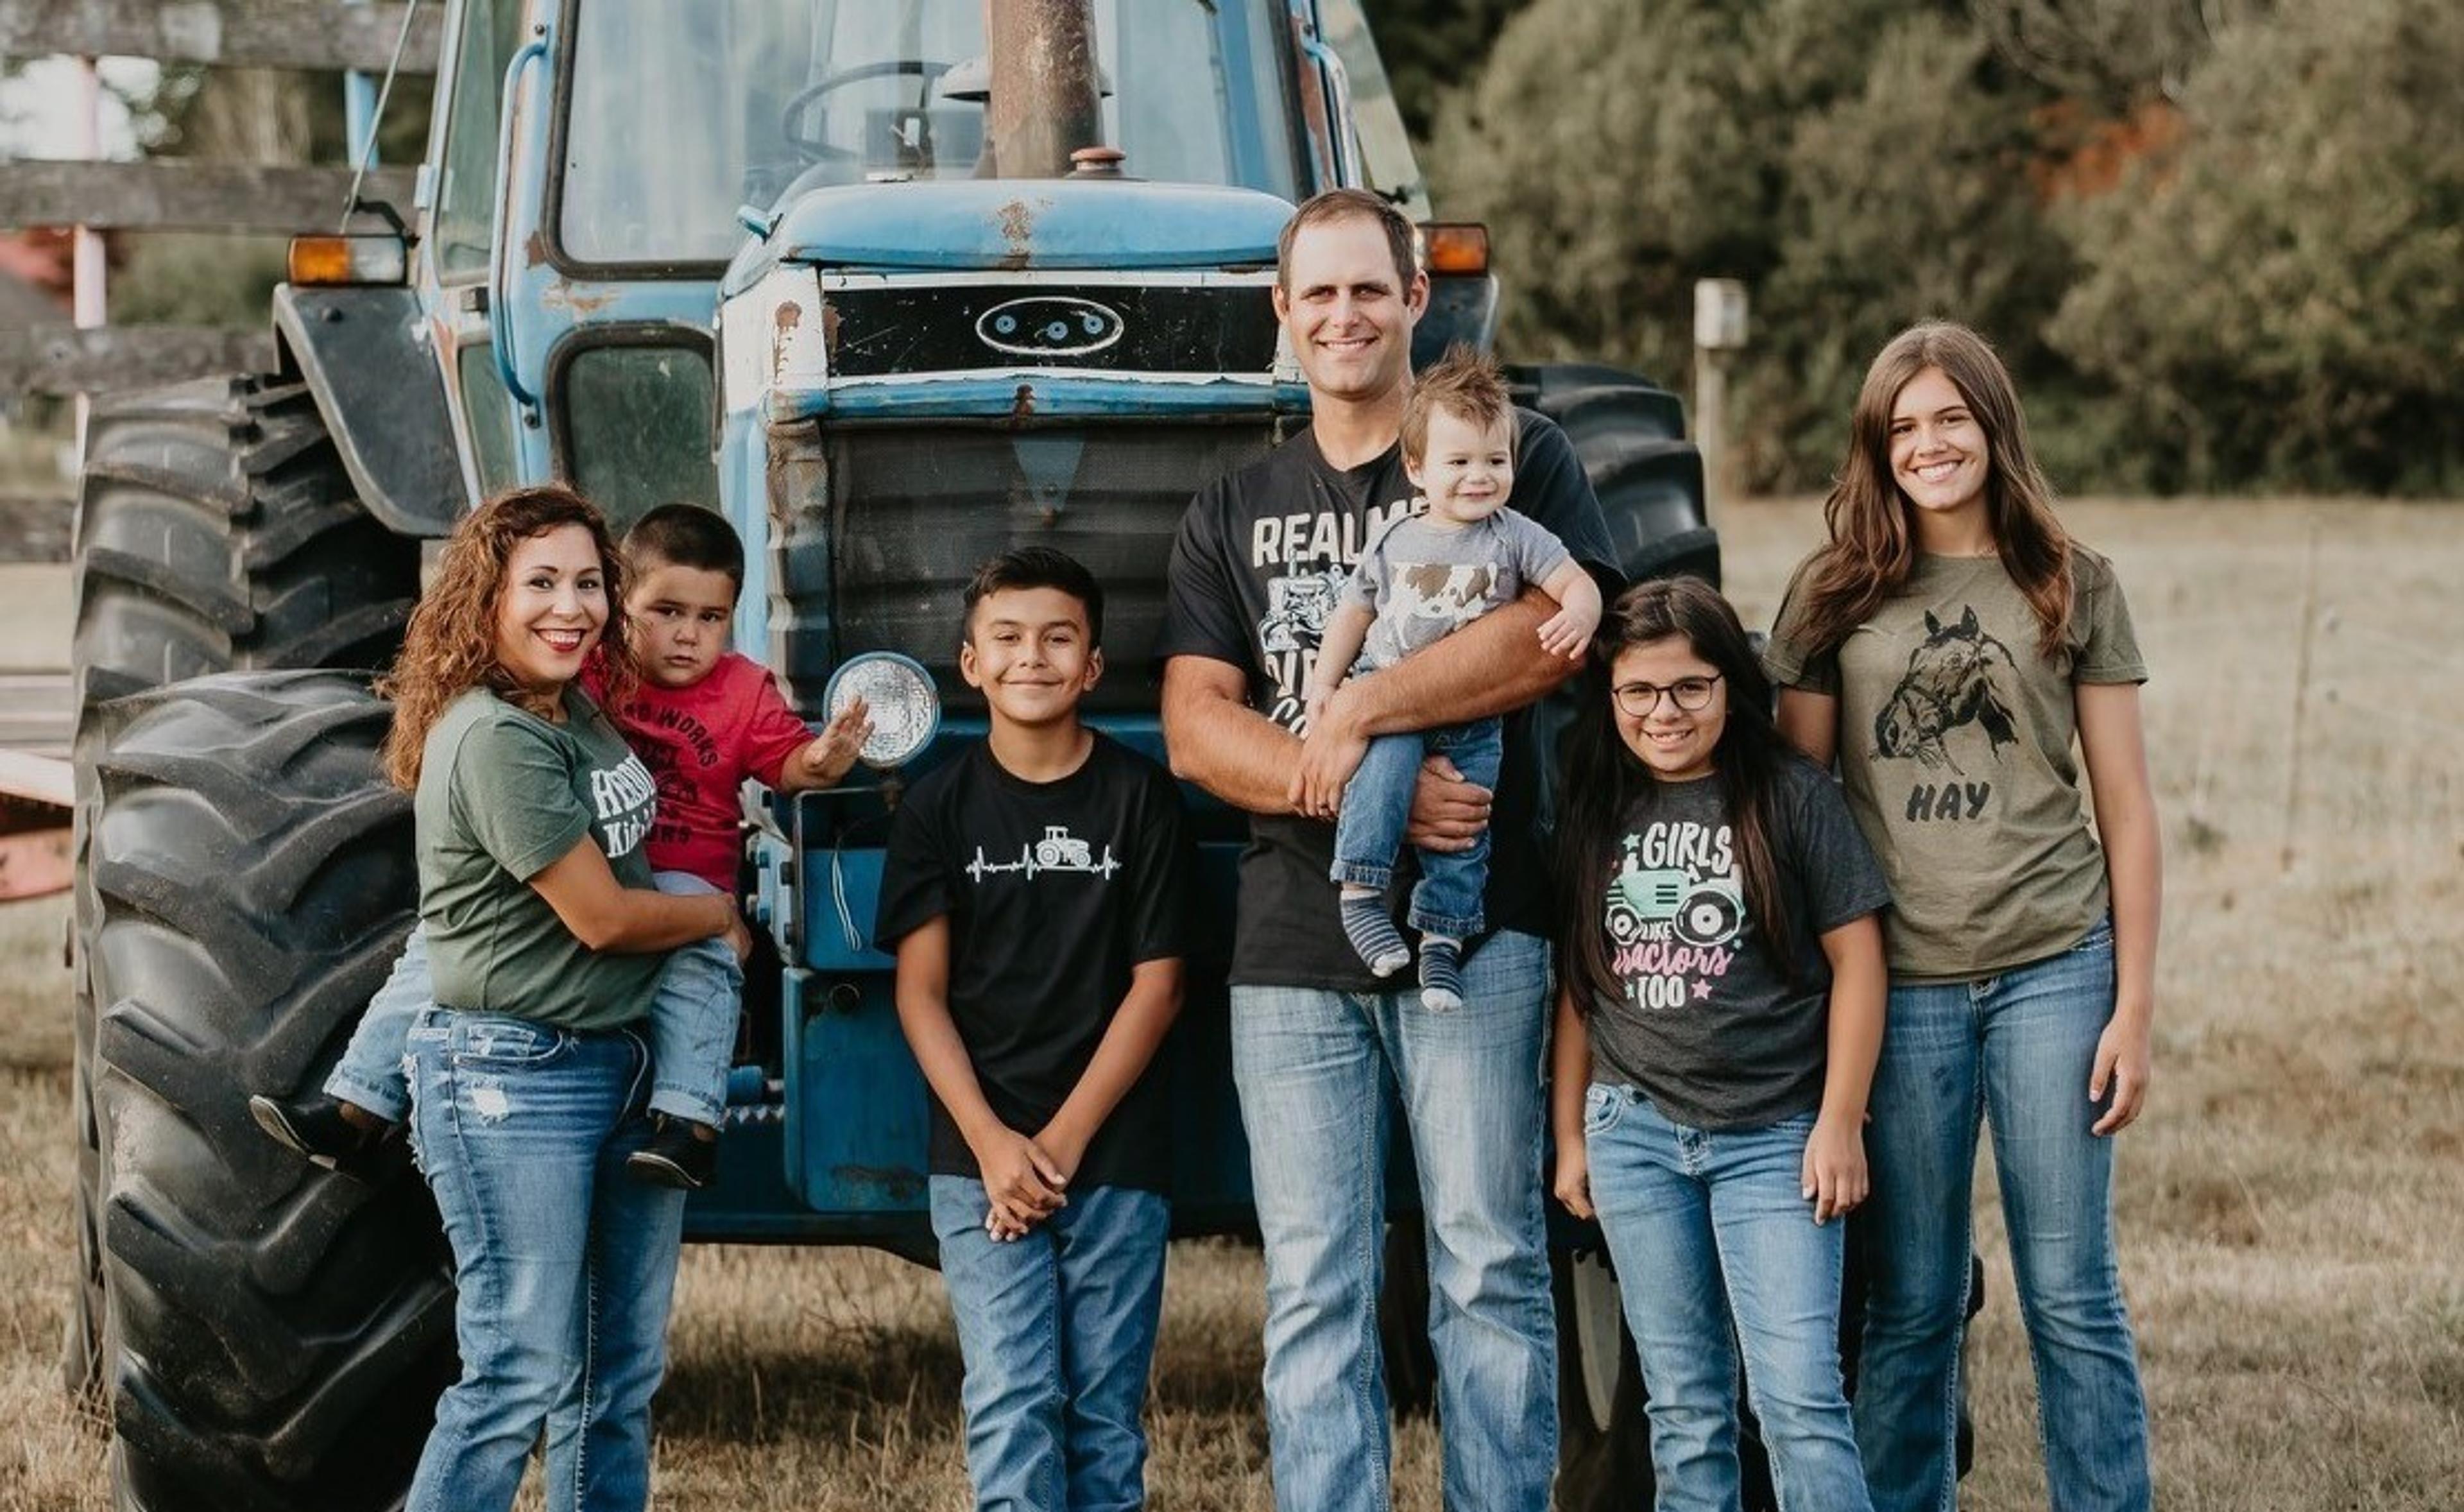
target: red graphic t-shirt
701 742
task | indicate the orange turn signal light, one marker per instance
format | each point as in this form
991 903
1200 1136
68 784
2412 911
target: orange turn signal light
1454 247
329 260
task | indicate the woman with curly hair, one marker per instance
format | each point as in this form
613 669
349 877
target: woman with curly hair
545 939
1948 644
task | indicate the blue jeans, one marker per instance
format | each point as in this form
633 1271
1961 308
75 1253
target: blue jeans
2017 1048
692 1026
1377 807
563 1264
1315 1070
1711 1232
1058 1331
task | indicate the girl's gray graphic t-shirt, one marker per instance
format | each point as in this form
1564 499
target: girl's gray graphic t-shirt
1955 748
1721 1027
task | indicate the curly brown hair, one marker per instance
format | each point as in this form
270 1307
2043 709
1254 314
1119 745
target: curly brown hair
1872 546
450 646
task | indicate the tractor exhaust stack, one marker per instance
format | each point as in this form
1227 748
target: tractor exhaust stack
1045 102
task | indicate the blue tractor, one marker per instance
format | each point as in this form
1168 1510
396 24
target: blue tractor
889 292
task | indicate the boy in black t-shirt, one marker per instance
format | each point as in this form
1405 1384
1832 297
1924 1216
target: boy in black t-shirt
1033 892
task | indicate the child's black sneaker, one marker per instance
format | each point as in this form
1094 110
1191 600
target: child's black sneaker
1441 983
1374 935
676 1156
317 1127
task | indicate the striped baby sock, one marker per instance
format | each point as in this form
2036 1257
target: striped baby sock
1441 983
1372 934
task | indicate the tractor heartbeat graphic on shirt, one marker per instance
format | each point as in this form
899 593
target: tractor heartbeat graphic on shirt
1059 850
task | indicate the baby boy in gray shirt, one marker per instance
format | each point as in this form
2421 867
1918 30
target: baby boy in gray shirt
1425 577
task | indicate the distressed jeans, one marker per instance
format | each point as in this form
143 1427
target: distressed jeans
2016 1050
692 1026
1377 807
1058 1332
1315 1071
1712 1233
563 1264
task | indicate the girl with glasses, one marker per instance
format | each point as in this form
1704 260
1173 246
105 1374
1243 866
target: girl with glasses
1945 645
1716 1032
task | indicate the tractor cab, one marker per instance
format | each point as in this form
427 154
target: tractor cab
595 165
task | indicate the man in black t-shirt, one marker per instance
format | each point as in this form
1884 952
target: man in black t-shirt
1318 1044
1034 892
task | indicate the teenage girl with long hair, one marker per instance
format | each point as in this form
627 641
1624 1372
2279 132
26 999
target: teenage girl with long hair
1716 1031
1944 646
545 939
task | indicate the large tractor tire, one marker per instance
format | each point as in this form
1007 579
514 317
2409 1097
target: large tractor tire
1630 435
276 1336
1409 1362
1603 1438
1604 1449
216 530
1604 1434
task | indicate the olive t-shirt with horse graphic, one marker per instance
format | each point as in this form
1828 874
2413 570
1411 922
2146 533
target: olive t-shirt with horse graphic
1956 751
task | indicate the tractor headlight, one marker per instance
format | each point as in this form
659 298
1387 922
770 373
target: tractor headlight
899 695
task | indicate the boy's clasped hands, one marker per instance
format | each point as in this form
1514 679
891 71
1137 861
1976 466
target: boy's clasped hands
1026 1179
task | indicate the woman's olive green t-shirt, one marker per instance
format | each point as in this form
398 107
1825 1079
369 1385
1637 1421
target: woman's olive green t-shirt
502 795
1956 752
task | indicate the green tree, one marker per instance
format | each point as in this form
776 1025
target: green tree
1857 163
1907 200
2278 301
1430 46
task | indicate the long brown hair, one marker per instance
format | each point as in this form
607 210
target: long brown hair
450 646
1605 781
1872 548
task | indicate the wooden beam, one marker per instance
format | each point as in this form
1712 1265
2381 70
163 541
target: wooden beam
24 774
61 358
264 33
177 195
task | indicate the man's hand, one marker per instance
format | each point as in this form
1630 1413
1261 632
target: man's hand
738 938
831 754
1330 755
1447 813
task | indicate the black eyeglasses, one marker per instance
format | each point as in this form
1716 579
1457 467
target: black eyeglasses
1693 694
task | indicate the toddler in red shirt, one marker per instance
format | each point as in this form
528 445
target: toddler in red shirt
703 719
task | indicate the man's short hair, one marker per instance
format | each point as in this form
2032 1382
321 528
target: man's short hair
1037 567
686 536
1466 384
1349 204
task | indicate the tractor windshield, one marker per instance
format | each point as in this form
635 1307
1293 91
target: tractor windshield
678 114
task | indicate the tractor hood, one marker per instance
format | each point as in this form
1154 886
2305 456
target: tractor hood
1015 225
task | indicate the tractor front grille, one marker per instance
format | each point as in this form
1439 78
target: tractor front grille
878 554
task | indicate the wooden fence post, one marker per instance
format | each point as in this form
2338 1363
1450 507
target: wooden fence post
1719 329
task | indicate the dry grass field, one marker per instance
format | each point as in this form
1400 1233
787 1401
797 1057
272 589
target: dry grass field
2293 1227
